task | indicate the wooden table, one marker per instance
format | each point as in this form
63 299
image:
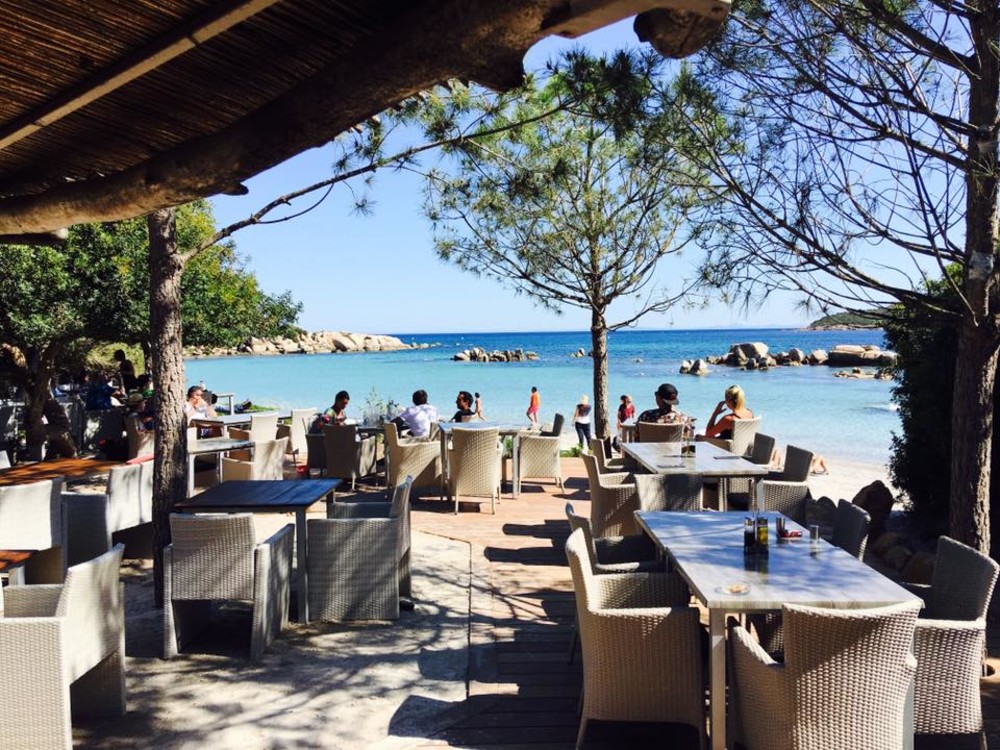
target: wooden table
71 469
506 429
209 446
270 496
708 461
706 548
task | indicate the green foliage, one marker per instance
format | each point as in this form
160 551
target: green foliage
874 319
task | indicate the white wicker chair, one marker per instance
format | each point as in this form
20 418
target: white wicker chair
267 462
296 429
359 559
62 654
642 657
742 441
349 456
605 463
263 426
657 432
951 639
31 519
613 501
420 459
474 464
843 684
216 557
91 519
538 457
140 442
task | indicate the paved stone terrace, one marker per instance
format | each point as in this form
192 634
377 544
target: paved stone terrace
523 693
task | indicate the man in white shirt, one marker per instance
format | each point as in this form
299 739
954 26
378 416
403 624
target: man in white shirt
419 416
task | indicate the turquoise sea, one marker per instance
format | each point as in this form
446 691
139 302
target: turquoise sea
806 406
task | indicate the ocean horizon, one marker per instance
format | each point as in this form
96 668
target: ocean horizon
805 406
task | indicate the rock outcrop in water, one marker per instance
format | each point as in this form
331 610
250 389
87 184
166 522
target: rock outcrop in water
756 356
478 354
319 342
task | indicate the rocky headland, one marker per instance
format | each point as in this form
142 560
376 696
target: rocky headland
318 342
757 356
478 354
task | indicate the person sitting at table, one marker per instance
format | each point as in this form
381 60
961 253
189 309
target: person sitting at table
464 403
335 415
60 443
721 425
101 392
665 411
418 418
137 405
197 407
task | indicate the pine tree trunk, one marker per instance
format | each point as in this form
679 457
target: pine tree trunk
599 346
170 471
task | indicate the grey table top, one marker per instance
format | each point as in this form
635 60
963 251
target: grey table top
217 445
708 460
505 428
707 549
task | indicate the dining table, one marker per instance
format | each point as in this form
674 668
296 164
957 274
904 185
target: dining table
506 429
212 446
707 460
70 469
706 549
270 496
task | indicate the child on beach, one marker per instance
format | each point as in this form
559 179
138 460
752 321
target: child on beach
533 406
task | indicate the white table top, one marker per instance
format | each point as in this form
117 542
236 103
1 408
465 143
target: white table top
707 550
708 460
232 420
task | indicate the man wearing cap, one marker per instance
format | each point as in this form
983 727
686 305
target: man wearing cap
666 400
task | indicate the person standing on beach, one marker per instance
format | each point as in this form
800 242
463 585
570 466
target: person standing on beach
626 410
581 421
479 407
666 400
126 371
534 405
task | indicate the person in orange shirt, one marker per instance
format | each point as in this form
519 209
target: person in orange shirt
534 405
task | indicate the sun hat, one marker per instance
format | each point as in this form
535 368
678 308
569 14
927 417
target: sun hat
134 399
668 393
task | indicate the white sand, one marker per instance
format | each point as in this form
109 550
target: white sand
846 478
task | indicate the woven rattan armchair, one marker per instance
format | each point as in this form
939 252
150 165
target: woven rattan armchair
850 528
266 462
843 683
786 491
62 653
216 557
737 490
950 640
31 519
92 519
657 432
263 426
348 455
140 442
359 559
295 430
419 459
474 464
605 463
642 658
613 501
669 491
742 441
538 457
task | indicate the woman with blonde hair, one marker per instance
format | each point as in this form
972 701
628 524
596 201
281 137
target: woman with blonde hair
721 425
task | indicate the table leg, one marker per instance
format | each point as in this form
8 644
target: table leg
717 677
190 475
300 563
515 466
757 492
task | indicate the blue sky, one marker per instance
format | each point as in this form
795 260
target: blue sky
379 274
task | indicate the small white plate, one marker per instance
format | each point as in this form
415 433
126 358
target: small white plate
735 589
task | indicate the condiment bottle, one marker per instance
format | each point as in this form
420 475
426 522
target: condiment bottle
762 535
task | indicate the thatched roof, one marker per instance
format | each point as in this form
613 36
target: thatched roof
113 108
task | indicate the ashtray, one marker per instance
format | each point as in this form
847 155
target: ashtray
735 589
790 534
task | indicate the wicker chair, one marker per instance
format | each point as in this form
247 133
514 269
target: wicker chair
850 529
359 559
538 457
657 432
555 430
419 459
786 491
31 519
605 463
742 441
642 658
843 684
295 430
216 557
613 501
263 427
669 491
62 653
267 462
737 491
140 442
91 519
951 639
349 456
474 464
